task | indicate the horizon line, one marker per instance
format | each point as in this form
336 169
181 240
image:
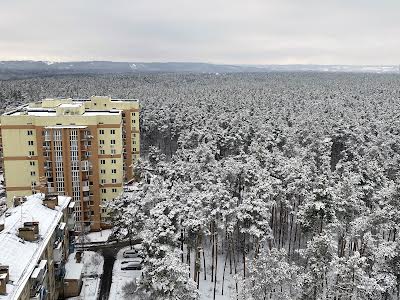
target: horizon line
197 62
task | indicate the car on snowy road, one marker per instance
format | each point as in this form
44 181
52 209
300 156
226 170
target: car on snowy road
131 265
131 254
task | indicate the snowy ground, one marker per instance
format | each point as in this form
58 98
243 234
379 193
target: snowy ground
206 287
92 271
120 277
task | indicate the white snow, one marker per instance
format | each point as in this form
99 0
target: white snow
73 270
92 270
206 287
101 236
120 277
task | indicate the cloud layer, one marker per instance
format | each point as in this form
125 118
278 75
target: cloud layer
219 31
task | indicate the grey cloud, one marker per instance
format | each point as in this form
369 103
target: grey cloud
221 31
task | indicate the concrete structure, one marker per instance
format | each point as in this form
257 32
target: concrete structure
32 267
73 278
83 148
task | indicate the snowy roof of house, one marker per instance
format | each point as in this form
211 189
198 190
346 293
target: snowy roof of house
73 270
71 105
22 256
50 112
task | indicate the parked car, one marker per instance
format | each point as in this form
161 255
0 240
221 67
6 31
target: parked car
132 253
135 265
139 260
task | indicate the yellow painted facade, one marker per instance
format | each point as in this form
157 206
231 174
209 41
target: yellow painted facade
81 147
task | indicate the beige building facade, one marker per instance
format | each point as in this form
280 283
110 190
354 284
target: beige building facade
83 148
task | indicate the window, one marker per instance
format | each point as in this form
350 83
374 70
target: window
101 131
103 210
104 191
33 173
114 190
101 142
92 212
102 171
113 161
102 151
114 180
112 142
112 131
114 171
30 143
134 142
134 149
32 163
30 132
134 121
113 151
103 181
31 153
103 161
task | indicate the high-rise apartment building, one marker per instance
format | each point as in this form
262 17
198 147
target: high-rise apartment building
83 148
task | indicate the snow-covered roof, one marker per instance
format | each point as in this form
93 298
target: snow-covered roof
42 112
71 105
65 126
73 271
22 256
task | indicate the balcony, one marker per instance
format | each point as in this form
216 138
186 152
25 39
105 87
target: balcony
47 137
85 166
59 271
58 251
71 222
38 276
85 186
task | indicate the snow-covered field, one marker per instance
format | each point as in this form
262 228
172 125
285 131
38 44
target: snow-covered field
92 271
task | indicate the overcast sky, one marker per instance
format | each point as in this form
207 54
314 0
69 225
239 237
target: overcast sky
218 31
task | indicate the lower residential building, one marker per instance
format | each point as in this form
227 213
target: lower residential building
35 240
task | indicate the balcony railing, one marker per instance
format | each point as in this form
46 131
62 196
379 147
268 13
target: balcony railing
85 186
85 165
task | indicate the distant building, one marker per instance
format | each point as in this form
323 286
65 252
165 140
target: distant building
35 241
83 148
